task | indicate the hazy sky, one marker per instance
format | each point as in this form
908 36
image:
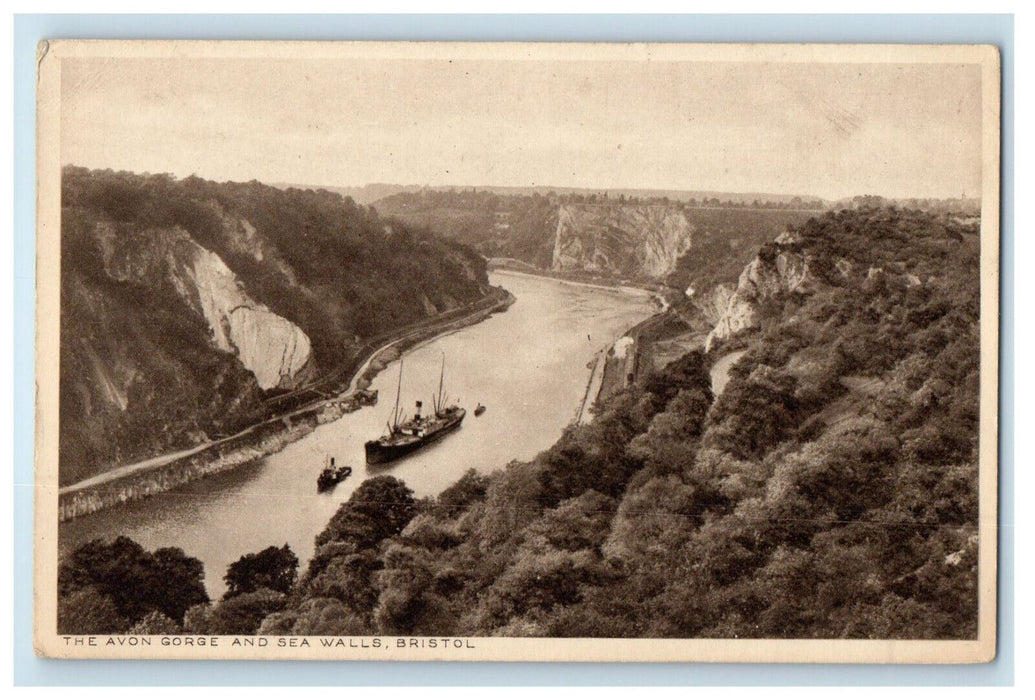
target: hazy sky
831 130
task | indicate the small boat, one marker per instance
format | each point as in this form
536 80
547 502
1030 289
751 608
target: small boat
405 436
479 409
332 475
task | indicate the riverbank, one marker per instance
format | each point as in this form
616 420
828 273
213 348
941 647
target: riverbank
166 472
646 347
596 380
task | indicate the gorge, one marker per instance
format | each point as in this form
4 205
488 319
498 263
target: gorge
191 309
788 451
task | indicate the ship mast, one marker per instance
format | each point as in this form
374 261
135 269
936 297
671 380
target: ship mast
398 392
441 376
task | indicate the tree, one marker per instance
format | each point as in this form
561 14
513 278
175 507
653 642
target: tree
753 416
409 602
689 372
535 584
273 568
88 611
182 582
470 488
316 616
380 507
196 619
347 577
155 623
241 614
580 523
136 581
652 521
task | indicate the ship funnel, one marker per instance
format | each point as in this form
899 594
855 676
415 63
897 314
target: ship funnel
419 405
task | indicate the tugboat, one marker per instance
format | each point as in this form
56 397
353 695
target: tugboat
332 475
479 409
406 436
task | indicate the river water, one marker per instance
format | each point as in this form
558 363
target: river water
527 365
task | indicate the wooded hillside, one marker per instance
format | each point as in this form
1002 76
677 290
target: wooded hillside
154 272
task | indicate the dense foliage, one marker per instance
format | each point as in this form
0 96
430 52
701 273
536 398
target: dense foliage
274 568
140 372
830 491
112 586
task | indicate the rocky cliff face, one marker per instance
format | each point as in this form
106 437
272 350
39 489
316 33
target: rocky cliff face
272 348
779 268
620 239
711 303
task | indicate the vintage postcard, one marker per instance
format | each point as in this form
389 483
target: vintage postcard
531 352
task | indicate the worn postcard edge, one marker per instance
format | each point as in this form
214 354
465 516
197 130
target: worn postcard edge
48 643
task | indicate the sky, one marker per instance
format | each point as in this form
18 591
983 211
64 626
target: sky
827 130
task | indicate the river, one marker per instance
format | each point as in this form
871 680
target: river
527 365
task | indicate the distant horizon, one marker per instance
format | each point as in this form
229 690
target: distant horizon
650 191
744 193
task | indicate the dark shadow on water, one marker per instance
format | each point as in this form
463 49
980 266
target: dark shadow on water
135 513
230 479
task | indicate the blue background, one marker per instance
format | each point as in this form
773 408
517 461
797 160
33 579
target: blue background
29 29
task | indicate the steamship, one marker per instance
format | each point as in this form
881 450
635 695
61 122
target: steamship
403 436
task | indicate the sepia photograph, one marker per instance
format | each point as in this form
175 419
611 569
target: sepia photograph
528 352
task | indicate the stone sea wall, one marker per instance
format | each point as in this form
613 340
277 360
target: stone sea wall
260 441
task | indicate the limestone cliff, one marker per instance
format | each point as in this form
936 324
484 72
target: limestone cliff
777 269
621 239
711 303
269 346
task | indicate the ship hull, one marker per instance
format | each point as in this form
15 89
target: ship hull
379 452
329 479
